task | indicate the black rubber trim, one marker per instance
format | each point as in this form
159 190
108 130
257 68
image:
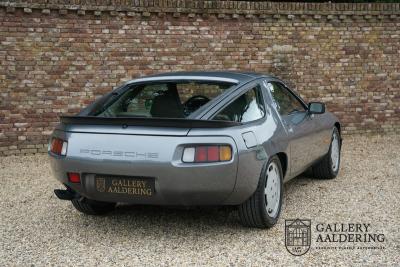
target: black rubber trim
152 122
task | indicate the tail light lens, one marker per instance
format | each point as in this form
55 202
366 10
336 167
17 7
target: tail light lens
225 153
74 177
202 154
58 146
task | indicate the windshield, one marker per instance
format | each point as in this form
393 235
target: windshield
176 99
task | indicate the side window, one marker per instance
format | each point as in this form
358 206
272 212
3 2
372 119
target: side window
285 101
248 107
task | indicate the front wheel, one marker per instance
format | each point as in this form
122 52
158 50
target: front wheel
328 167
262 209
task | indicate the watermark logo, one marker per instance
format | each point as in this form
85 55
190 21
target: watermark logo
101 184
298 236
331 236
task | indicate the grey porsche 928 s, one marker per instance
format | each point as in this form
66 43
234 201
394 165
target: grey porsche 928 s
194 138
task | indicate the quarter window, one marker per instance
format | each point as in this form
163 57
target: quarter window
285 101
247 107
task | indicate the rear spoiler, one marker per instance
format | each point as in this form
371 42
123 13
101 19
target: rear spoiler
152 122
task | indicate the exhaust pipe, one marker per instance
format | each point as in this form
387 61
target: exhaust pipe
65 194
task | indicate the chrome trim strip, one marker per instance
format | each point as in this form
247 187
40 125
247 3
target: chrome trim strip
194 78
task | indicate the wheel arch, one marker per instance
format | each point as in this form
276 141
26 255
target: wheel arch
284 162
338 126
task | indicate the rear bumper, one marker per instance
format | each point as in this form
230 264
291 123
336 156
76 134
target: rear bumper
175 183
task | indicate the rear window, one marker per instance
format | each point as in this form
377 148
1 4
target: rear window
161 100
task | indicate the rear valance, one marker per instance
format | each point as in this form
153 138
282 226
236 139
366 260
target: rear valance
151 122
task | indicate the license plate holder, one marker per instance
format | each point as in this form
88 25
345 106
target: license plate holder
125 185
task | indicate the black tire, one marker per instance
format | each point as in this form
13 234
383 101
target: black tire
324 168
92 207
253 212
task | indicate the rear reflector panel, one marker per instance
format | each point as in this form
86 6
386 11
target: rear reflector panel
74 177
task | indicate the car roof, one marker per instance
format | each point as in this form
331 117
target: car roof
228 76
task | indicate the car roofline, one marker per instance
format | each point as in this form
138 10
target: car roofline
184 77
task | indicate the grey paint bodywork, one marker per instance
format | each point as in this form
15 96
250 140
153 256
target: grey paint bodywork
156 151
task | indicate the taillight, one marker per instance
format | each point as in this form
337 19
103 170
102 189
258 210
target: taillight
202 153
74 177
225 153
58 146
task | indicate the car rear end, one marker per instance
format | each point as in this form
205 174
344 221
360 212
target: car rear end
143 164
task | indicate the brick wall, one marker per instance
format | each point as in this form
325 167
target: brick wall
56 56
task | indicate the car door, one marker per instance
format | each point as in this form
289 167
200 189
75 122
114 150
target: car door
299 125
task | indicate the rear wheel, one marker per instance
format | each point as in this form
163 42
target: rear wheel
262 209
328 167
92 207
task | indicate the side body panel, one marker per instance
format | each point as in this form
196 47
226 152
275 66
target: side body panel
271 139
309 135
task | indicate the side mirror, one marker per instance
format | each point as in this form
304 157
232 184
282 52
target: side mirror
316 108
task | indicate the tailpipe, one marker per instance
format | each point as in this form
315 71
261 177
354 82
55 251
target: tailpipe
65 194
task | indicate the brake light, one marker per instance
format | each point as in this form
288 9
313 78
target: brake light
74 177
213 153
202 154
58 146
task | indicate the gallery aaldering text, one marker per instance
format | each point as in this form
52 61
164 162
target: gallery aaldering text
347 232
